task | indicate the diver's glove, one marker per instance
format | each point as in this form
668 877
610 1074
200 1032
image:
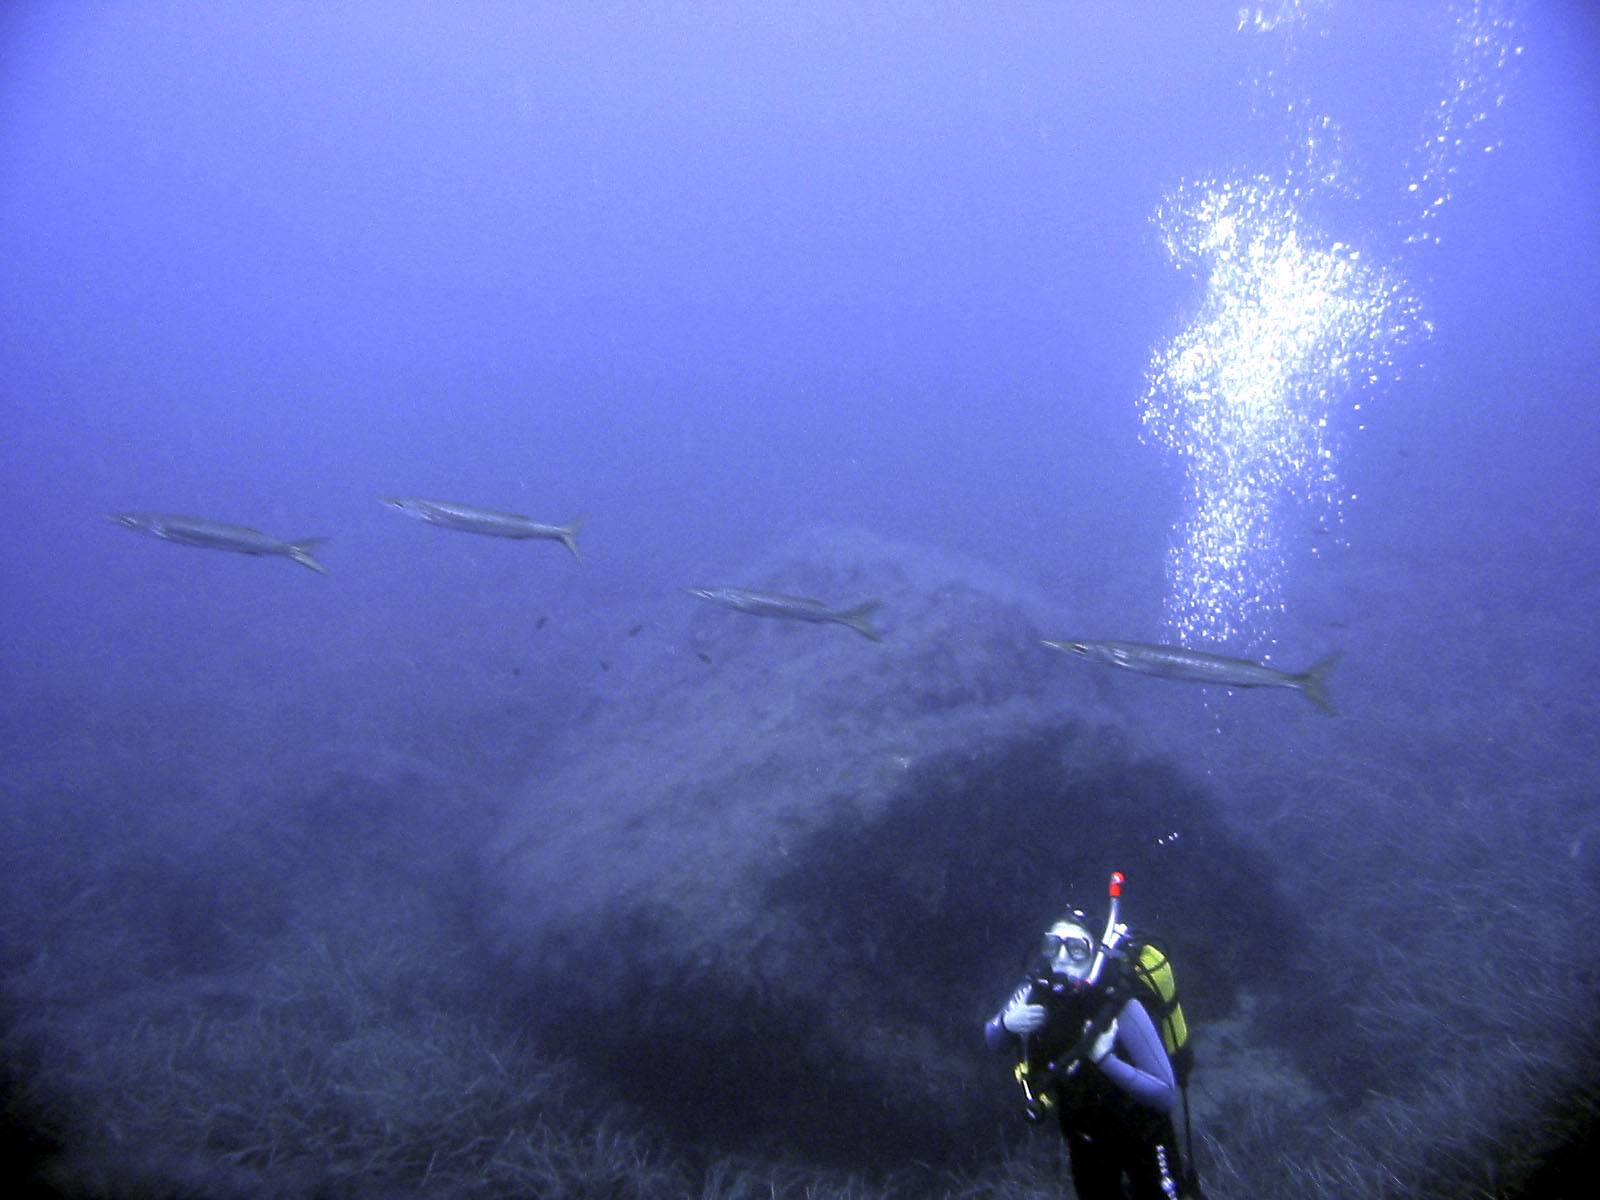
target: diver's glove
1023 1018
1101 1046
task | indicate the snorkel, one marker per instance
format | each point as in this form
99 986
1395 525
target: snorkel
1114 933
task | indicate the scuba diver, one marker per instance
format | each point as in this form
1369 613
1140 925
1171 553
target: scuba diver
1101 1042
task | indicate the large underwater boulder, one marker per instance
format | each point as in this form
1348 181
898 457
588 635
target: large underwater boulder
778 874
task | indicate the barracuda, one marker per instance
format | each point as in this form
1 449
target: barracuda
449 515
1197 666
214 535
794 608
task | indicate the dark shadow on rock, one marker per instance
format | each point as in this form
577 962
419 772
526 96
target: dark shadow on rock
979 851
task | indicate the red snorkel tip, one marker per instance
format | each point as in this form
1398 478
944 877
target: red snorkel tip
1117 880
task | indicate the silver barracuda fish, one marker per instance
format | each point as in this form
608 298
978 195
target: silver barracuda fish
449 515
1174 662
214 535
794 608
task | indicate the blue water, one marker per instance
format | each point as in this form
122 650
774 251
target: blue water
713 276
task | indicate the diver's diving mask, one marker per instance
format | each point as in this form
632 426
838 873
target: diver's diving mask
1067 949
1077 948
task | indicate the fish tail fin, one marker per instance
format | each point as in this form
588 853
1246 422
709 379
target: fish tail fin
1313 683
301 552
857 619
568 534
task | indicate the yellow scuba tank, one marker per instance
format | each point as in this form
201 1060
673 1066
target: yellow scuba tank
1152 970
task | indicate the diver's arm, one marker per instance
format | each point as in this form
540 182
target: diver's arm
1138 1063
995 1033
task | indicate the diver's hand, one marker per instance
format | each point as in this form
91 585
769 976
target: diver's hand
1102 1044
1020 1017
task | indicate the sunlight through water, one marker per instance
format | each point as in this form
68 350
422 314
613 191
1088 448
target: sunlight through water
1294 327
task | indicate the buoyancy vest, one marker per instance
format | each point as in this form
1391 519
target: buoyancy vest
1141 971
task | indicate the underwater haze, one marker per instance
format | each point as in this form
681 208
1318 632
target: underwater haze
467 862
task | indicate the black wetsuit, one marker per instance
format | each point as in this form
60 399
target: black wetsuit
1116 1115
